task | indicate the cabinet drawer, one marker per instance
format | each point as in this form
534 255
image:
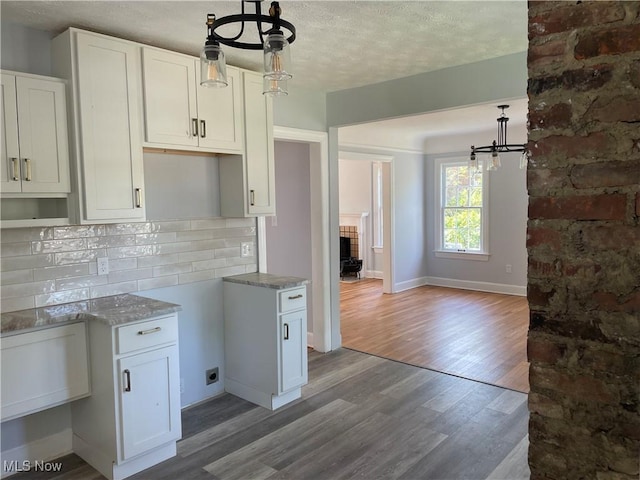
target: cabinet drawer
293 299
147 334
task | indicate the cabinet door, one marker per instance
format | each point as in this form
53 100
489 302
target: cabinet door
293 350
42 127
258 147
220 114
171 115
10 168
109 108
149 401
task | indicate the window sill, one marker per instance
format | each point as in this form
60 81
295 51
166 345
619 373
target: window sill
376 249
479 257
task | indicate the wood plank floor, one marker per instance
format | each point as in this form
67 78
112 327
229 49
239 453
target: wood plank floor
476 335
361 417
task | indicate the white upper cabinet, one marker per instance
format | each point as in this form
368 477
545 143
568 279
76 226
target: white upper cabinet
35 150
247 183
181 113
106 86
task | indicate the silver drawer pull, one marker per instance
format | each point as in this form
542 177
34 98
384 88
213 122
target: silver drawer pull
151 330
27 162
127 379
16 169
286 331
296 297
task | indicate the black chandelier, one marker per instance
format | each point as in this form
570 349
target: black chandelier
501 146
272 42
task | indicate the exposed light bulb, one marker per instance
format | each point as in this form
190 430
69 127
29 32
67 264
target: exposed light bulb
524 160
494 161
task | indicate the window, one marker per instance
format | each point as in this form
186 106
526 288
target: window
462 215
377 204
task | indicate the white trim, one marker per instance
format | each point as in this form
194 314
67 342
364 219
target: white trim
366 157
42 450
310 339
409 284
320 231
479 257
261 225
373 274
377 250
379 149
478 286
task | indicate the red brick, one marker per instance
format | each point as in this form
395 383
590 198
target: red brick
634 74
544 351
542 269
543 405
537 296
547 53
555 116
611 302
583 270
638 204
606 174
546 179
574 16
610 237
617 109
582 79
610 41
581 387
584 207
589 146
544 236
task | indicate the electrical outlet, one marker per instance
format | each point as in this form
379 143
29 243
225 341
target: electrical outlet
103 265
211 375
507 268
246 249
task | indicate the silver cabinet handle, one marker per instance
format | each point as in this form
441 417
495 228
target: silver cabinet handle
296 297
127 380
194 127
16 169
286 331
203 128
138 198
151 330
27 163
252 197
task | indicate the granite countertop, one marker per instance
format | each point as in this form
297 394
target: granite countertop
114 310
267 280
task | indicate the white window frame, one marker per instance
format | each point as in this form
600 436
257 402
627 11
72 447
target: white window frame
440 189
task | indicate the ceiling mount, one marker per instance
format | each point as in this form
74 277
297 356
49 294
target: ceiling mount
499 146
272 41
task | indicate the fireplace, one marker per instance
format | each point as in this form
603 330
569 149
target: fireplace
350 264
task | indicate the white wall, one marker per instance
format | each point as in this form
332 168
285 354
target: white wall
25 49
289 233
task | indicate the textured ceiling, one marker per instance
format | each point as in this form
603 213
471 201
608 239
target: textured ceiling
340 44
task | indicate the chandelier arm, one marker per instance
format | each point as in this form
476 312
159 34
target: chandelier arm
241 18
511 147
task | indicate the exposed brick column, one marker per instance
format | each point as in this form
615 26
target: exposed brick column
584 239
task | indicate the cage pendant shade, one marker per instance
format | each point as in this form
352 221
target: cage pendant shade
213 68
277 57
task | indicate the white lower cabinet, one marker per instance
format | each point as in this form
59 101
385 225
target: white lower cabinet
132 419
42 369
265 343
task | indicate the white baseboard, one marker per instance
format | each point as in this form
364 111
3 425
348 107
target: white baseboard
373 274
310 339
462 284
40 450
479 286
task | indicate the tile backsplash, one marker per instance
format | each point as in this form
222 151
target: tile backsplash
53 265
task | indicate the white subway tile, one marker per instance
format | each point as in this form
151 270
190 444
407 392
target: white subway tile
252 268
15 249
204 224
54 246
158 282
155 238
167 248
209 264
51 273
227 252
66 296
240 222
16 276
231 261
114 289
171 226
125 275
137 251
172 269
155 260
25 289
81 256
28 261
17 303
207 244
196 276
12 235
194 235
111 241
235 232
227 271
128 228
81 282
196 256
77 231
118 264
